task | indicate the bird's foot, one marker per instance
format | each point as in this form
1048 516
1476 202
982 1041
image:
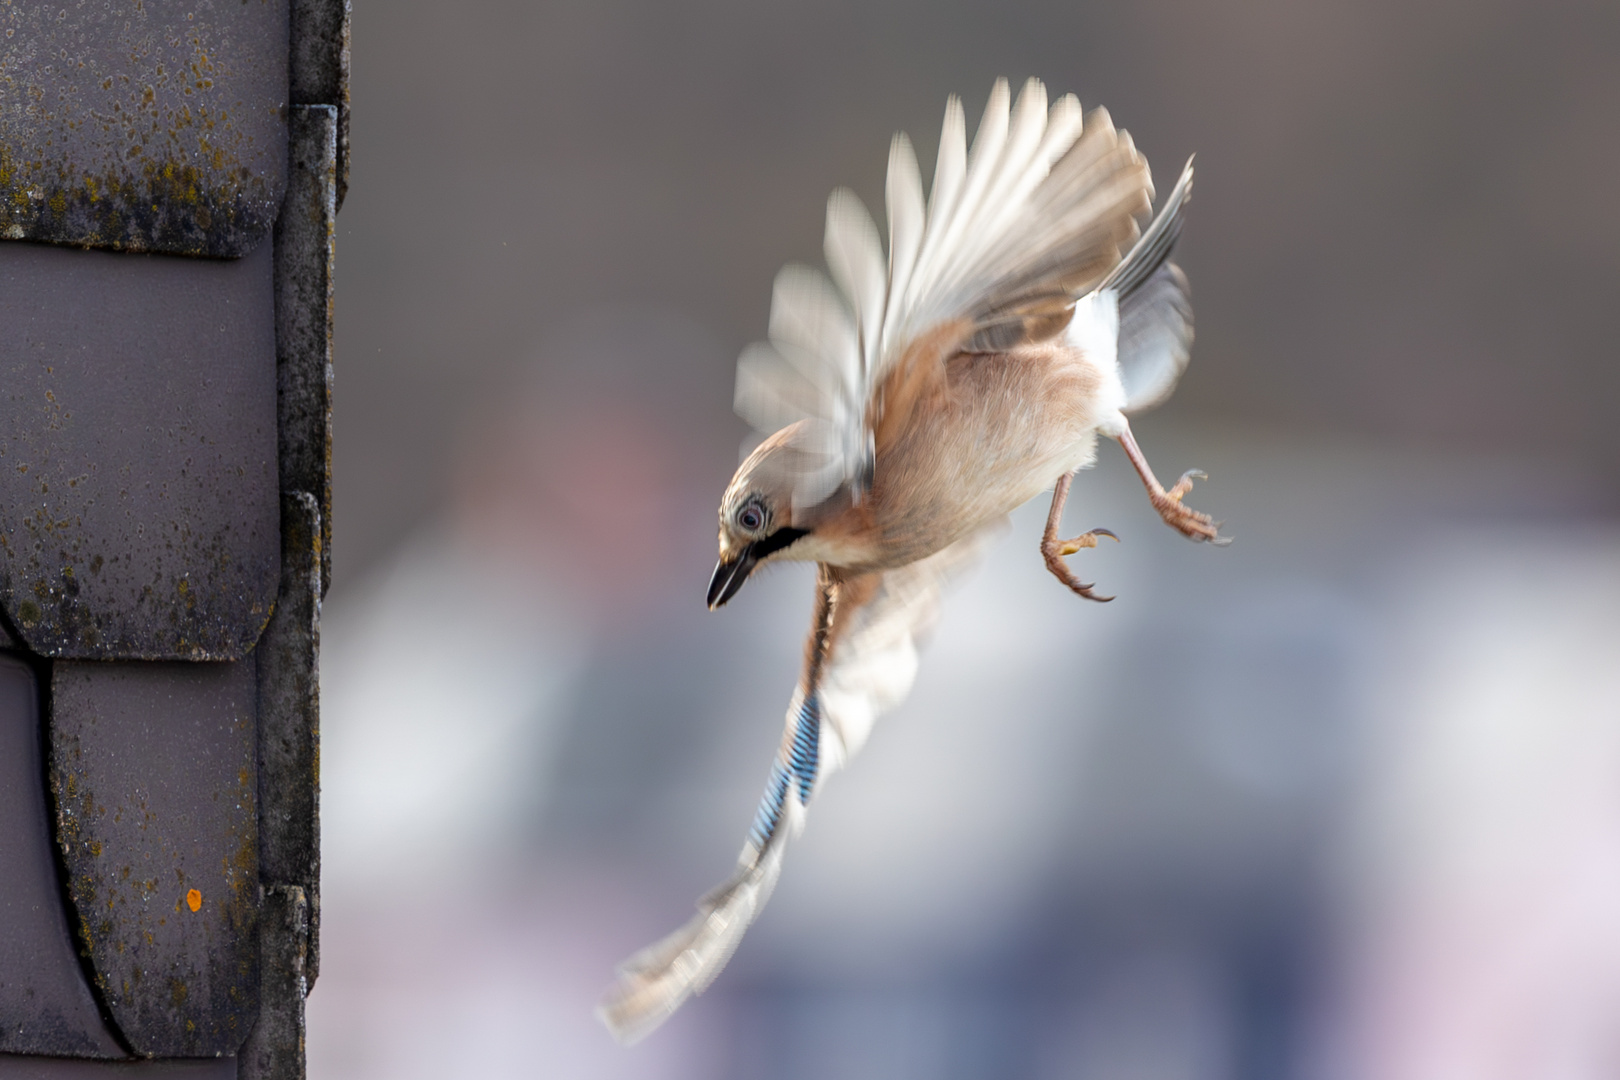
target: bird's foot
1053 550
1184 519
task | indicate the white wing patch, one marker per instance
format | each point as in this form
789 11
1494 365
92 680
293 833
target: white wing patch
1033 216
1094 330
871 668
875 662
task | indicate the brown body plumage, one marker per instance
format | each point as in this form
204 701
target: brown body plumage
986 433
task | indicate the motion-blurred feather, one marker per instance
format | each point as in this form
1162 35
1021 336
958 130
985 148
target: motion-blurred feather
1155 338
907 217
867 637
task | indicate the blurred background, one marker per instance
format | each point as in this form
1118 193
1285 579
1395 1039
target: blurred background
1340 801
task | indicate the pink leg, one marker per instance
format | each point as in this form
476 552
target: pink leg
1185 520
1053 549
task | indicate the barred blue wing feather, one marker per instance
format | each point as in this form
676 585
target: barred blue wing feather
862 661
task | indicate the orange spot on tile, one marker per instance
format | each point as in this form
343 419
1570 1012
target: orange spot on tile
194 899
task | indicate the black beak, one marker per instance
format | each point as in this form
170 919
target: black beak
729 576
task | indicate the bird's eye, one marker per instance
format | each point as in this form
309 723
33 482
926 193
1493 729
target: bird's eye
751 517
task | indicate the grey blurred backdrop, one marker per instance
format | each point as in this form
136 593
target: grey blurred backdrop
1335 801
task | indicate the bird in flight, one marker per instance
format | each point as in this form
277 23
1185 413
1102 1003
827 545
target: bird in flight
912 400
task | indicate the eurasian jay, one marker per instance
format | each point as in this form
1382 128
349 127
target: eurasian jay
911 402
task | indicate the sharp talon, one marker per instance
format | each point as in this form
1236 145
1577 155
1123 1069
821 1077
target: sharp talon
1222 541
1083 589
1054 550
1195 474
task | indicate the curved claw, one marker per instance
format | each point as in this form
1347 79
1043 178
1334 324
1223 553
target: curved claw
1185 484
1083 588
1054 551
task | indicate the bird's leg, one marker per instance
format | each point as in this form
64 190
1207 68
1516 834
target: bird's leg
1053 549
1185 520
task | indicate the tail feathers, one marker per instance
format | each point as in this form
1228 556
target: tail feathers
657 980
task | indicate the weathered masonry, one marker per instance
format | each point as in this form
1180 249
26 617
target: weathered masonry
170 176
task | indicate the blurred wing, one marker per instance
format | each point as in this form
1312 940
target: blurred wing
1155 308
1155 338
1043 211
810 370
1012 233
861 661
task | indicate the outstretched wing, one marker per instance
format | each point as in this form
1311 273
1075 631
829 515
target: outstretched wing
1010 236
860 661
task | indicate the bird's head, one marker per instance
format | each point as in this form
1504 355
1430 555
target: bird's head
758 521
